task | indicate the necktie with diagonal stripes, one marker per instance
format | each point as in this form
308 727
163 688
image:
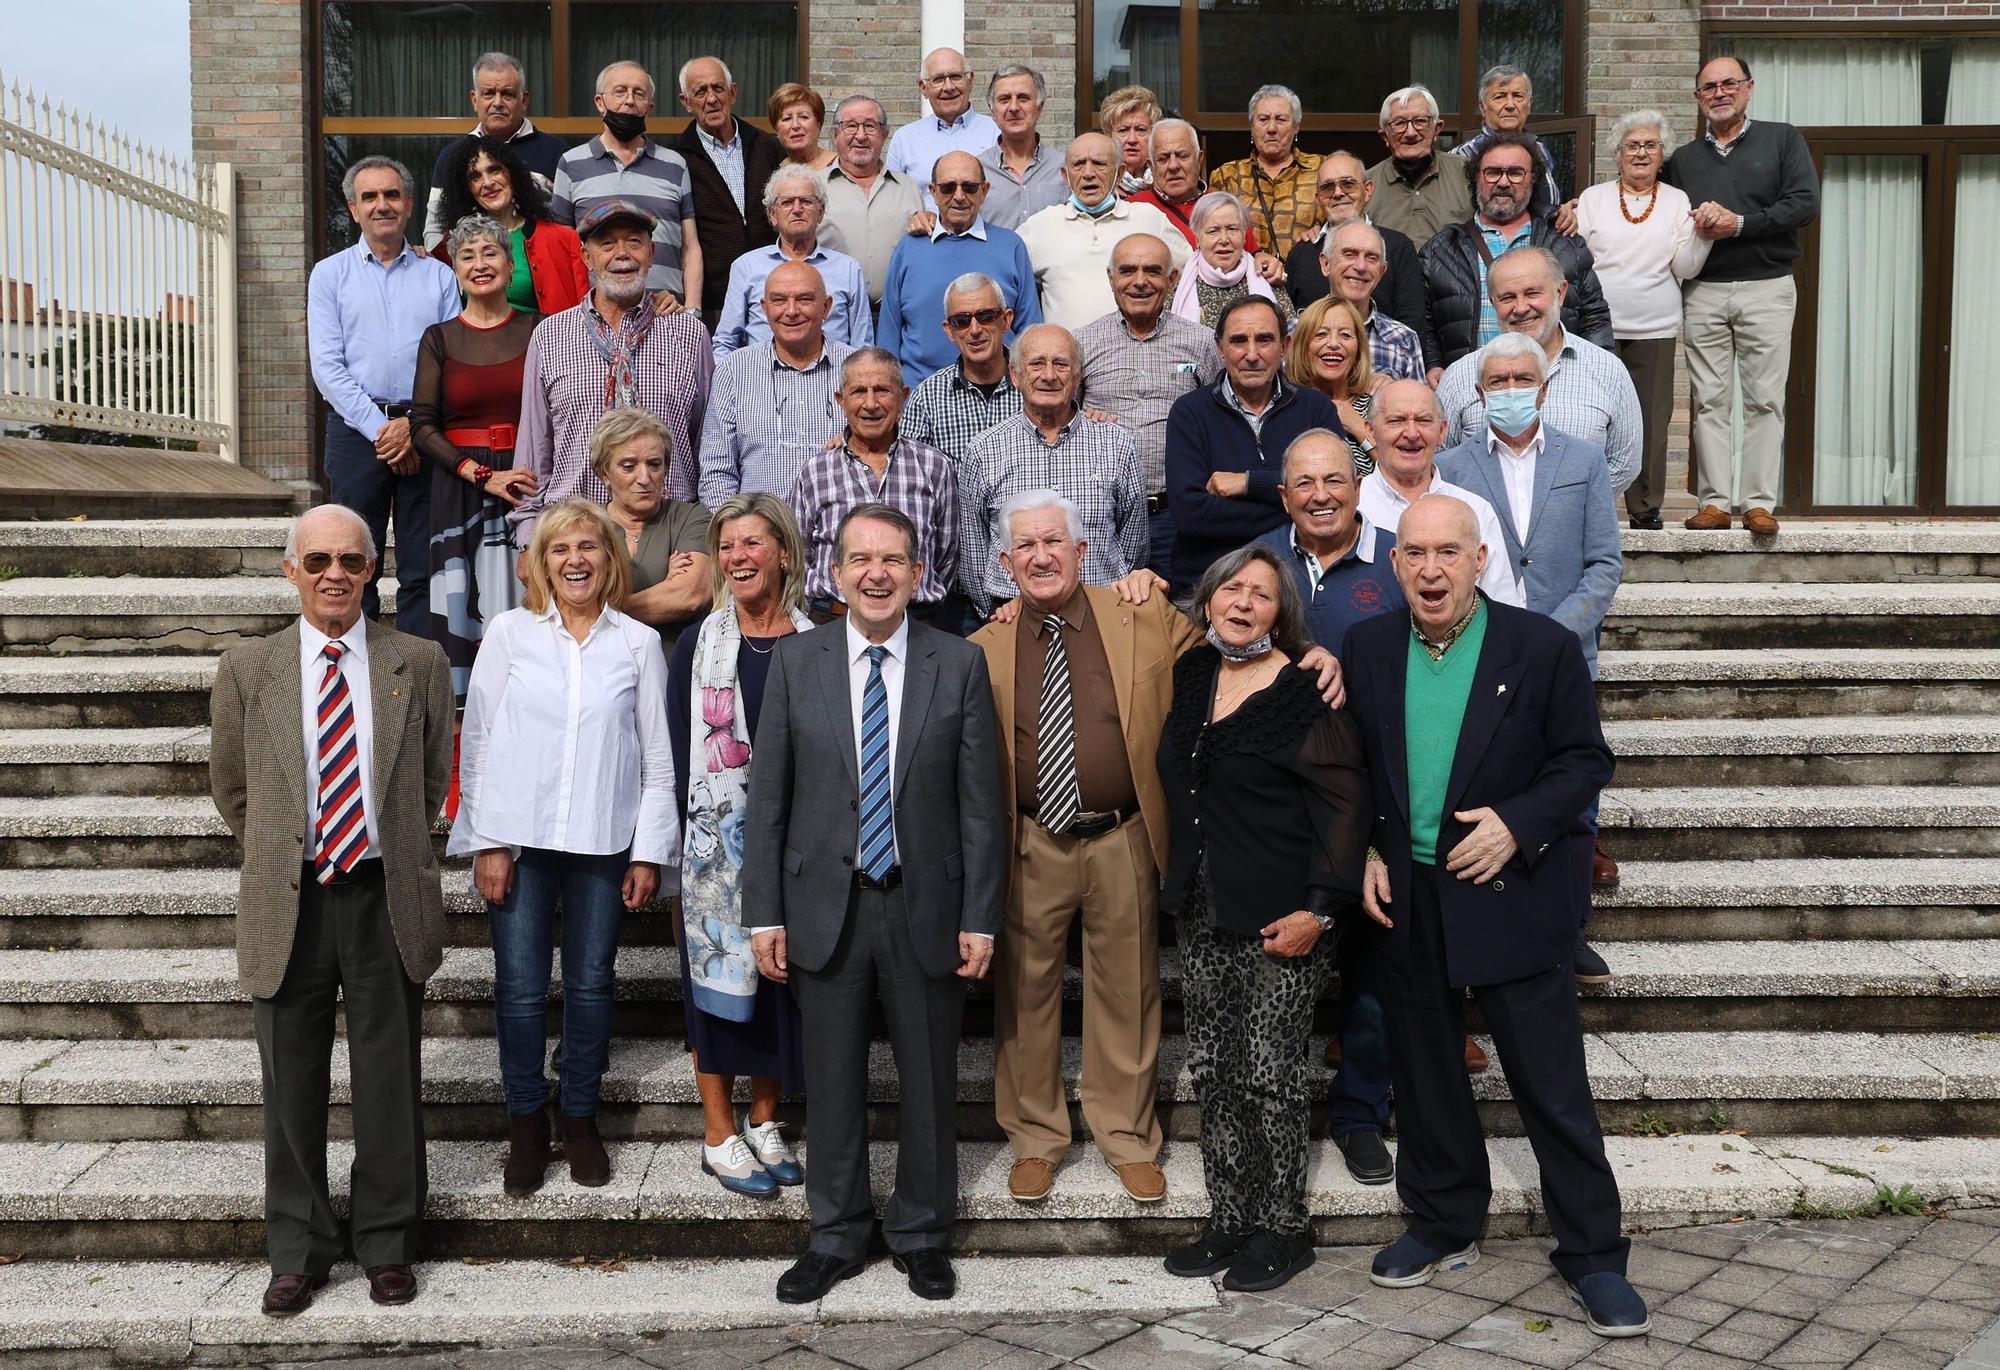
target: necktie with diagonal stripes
878 814
341 834
1058 792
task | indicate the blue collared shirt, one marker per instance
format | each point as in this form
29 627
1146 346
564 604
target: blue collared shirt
363 323
1496 243
1358 586
743 321
917 145
728 159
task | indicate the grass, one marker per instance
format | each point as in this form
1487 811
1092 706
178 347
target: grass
1651 1124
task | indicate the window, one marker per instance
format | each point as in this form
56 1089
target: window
1244 44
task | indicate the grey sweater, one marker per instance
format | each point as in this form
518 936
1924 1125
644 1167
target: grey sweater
1768 178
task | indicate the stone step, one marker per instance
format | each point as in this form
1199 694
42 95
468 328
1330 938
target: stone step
164 831
1893 985
1923 553
179 548
204 1200
132 691
1659 616
1737 823
122 761
1901 749
154 615
1780 683
1808 1082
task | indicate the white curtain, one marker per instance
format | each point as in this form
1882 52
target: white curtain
1866 372
1972 428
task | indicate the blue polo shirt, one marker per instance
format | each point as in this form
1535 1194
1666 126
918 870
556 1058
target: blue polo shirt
1359 585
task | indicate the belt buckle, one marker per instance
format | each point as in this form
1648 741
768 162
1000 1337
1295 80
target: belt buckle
1093 825
500 437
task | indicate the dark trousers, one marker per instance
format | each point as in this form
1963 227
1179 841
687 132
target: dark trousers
1651 364
1160 545
343 948
363 482
875 962
1441 1171
1357 1100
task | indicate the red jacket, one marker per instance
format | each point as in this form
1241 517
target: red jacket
555 265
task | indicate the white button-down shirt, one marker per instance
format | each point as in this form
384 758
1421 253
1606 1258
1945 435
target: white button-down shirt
565 744
892 681
1517 469
1382 504
312 670
1071 253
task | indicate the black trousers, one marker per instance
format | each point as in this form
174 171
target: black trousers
876 962
344 948
1441 1171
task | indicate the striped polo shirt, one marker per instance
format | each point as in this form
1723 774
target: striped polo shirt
656 181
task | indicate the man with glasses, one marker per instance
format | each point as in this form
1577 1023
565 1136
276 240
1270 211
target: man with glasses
1506 99
1344 191
728 161
1070 244
500 99
952 125
868 206
1413 194
1461 317
1753 188
925 264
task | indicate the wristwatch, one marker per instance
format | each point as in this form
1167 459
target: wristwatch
1368 444
1325 921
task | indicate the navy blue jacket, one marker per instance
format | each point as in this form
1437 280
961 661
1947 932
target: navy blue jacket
1530 748
1206 434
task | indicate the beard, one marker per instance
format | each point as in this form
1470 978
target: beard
621 292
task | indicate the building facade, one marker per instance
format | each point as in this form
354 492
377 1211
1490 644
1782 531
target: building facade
1892 408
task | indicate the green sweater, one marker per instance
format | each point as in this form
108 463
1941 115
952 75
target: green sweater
1434 698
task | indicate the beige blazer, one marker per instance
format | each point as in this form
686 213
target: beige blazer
257 773
1141 644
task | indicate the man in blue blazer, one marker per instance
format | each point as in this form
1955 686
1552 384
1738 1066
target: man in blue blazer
1483 746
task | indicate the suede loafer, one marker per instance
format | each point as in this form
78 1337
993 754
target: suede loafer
1611 1305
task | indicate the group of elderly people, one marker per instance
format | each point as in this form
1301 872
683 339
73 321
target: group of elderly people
1241 413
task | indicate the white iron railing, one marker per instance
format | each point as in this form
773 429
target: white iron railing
117 281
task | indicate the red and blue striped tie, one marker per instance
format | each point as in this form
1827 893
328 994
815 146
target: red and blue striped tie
342 833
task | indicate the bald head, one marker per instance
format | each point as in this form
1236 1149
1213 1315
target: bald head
946 83
1047 368
958 185
1438 560
1439 516
1342 189
796 303
1142 279
1090 165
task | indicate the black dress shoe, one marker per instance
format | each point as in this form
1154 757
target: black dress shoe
1648 523
391 1284
1589 966
287 1296
812 1275
930 1272
1368 1159
1216 1249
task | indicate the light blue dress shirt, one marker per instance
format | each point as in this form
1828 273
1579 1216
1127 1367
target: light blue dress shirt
728 159
743 321
917 145
363 323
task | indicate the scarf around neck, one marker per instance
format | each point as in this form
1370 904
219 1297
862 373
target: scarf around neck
618 345
1187 301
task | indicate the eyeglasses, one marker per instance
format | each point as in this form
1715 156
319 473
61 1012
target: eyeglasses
315 563
947 78
989 317
1638 147
1410 124
1496 174
1346 185
1729 87
859 126
947 189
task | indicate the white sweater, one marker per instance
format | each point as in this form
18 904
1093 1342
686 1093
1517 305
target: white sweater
1641 266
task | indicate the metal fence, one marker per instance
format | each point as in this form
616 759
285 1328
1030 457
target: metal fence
117 281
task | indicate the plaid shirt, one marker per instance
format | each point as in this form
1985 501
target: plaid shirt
562 400
948 411
1393 349
1281 210
765 418
1591 398
918 480
1138 379
1094 465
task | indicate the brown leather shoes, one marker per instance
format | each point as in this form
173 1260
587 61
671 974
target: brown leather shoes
391 1284
1030 1180
287 1296
589 1166
1144 1181
1711 518
1475 1058
1603 870
1760 522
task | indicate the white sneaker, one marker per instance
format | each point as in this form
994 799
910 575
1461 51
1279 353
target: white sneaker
737 1170
767 1142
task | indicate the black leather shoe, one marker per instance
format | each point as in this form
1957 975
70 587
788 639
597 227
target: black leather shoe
1213 1252
812 1275
1268 1260
1368 1159
1589 966
1649 523
930 1272
287 1296
527 1153
391 1284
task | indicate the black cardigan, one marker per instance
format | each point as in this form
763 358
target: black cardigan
1275 797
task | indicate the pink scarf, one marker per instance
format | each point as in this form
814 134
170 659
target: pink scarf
1187 303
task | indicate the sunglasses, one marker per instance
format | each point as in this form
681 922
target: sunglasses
946 189
989 317
315 563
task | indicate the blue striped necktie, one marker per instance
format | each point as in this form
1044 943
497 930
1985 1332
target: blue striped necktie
878 817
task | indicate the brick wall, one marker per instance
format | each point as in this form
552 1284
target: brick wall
868 47
250 97
1039 33
1717 10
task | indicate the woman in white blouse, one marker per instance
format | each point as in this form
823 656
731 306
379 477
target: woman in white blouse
1642 235
566 780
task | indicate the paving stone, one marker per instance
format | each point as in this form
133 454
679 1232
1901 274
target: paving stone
1875 1317
1749 1335
1939 1326
1803 1296
1667 1271
1244 1320
1911 1273
1886 1355
1494 1280
1818 1344
1434 1314
876 1346
1505 1332
1956 1239
1449 1357
1151 1346
1063 1340
1379 1349
1324 1341
978 1353
1635 1353
1809 1253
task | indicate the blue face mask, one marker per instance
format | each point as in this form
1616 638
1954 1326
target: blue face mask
1512 411
1094 210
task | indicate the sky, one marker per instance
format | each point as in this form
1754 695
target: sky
122 61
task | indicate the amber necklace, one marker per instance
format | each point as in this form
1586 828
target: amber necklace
1651 201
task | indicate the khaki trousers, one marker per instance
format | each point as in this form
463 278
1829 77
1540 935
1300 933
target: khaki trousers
1740 332
1111 879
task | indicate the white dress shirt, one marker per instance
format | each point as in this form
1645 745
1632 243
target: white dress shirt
1382 504
565 744
354 666
1517 469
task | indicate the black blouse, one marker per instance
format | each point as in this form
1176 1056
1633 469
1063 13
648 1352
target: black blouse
1275 798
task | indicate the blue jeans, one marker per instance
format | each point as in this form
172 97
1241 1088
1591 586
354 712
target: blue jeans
589 890
1357 1098
1160 551
359 479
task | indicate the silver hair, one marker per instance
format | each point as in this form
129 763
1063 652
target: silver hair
793 172
871 356
1507 347
1209 203
377 162
1028 501
1289 96
1640 118
1550 263
292 533
474 227
881 115
1338 443
1326 242
681 81
971 283
495 61
1495 75
610 67
1404 97
1016 69
1153 134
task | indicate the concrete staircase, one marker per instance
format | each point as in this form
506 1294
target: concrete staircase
1807 808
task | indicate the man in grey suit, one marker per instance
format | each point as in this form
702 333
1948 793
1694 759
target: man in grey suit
896 899
331 753
1558 516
